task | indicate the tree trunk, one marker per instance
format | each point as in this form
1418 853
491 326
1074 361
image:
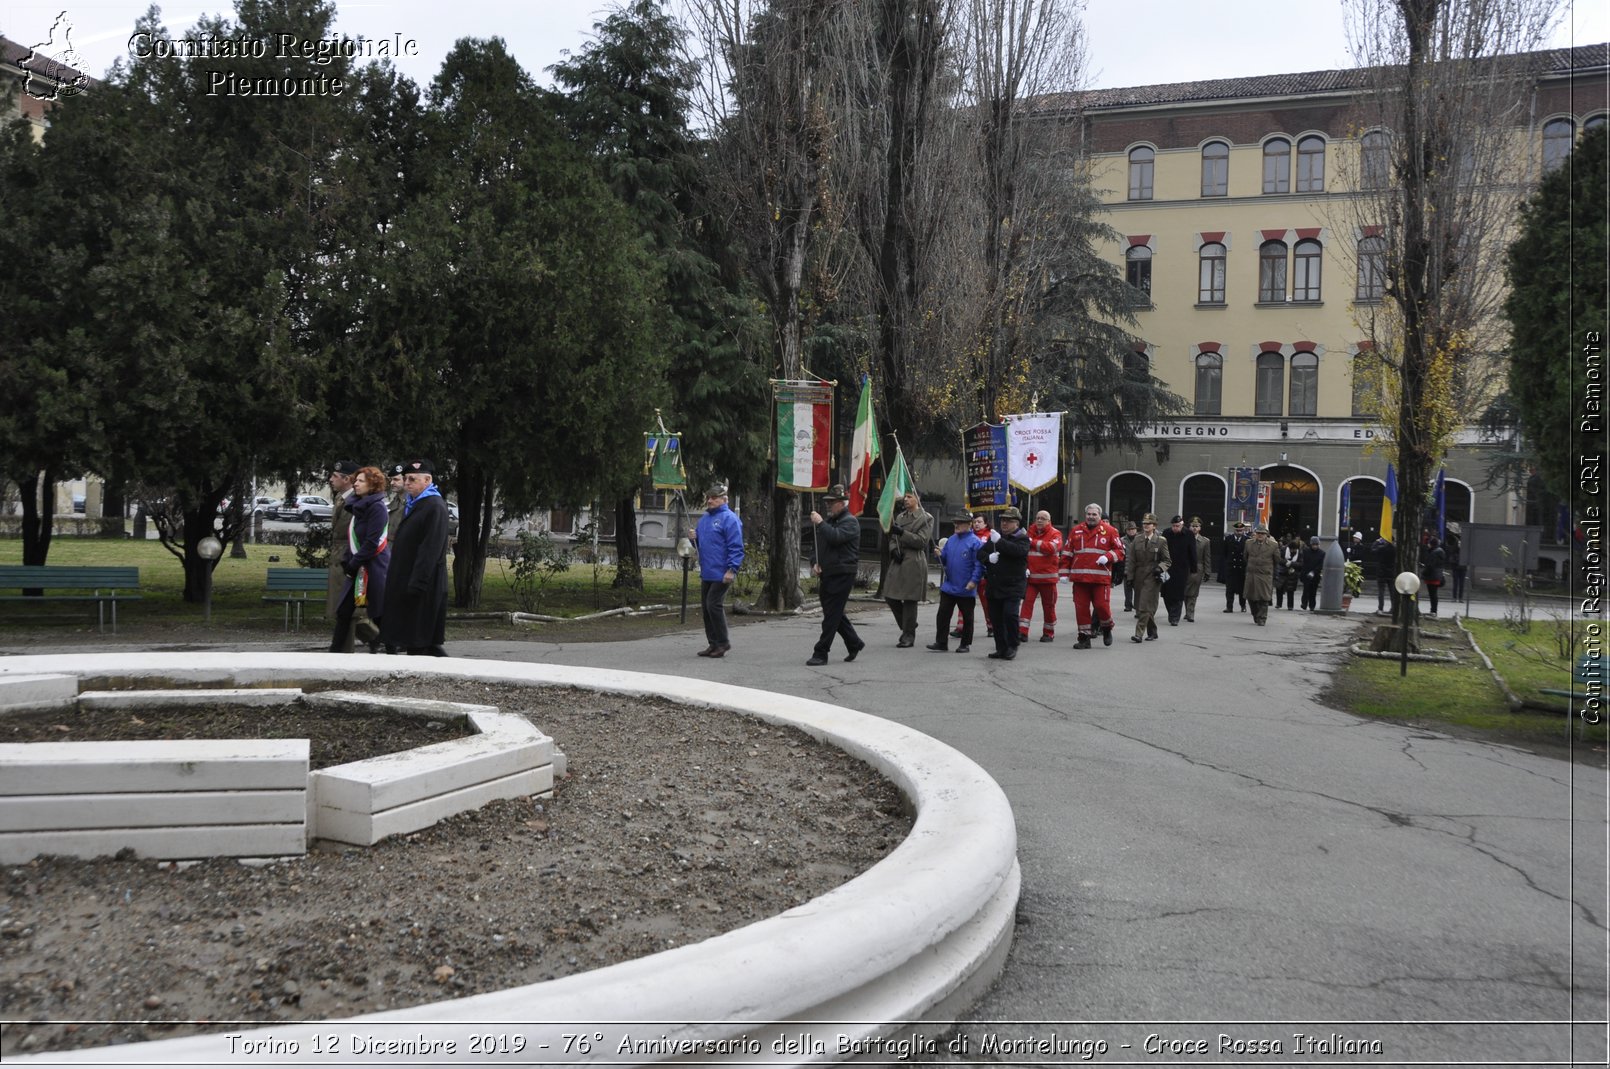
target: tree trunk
38 493
474 534
198 569
782 579
114 503
628 558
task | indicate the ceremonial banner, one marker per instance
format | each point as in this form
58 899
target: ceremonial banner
1266 497
1243 503
1345 522
984 455
894 488
1389 502
663 461
1033 442
804 433
863 449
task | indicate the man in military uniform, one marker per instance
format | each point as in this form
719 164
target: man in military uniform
1235 566
1145 565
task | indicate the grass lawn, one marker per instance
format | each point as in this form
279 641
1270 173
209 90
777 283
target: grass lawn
238 588
1459 698
1531 660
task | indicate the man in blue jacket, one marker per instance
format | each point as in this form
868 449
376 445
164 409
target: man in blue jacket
720 538
959 573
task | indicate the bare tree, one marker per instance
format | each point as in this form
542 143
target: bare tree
1445 99
762 102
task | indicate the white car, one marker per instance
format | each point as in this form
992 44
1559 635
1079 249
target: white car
268 506
310 507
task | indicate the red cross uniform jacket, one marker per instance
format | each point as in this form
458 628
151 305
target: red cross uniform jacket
1045 553
1084 547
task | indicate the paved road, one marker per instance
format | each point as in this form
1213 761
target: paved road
1204 844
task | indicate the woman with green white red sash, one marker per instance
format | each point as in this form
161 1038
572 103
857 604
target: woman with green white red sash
365 560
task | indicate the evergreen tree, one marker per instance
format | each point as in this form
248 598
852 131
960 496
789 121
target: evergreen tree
1557 292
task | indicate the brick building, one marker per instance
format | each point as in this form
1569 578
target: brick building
1235 204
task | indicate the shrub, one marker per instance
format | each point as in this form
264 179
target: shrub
1353 578
533 560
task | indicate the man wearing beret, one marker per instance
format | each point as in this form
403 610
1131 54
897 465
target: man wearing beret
415 619
341 473
1260 581
838 559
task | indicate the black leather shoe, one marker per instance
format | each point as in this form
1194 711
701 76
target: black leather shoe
1047 638
1009 655
851 655
816 660
964 649
1106 636
996 655
938 647
1135 638
707 651
1082 644
1151 638
905 644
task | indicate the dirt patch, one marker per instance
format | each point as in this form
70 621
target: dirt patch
332 740
676 824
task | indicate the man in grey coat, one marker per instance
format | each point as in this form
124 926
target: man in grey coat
906 582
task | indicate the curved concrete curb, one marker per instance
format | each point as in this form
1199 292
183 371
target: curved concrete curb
918 936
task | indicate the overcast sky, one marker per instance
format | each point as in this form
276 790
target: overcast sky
1199 40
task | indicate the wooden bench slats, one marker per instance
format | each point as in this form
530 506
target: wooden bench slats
294 585
106 582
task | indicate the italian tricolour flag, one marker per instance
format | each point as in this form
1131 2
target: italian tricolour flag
804 435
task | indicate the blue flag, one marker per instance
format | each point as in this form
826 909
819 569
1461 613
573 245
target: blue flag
1439 498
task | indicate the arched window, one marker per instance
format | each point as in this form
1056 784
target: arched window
1311 165
1593 122
1306 260
1215 169
1272 272
1209 384
1559 137
1138 273
1375 169
1141 162
1210 286
1304 385
1277 165
1366 384
1271 377
1371 268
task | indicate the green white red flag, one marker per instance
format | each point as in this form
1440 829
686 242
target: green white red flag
804 433
894 488
863 449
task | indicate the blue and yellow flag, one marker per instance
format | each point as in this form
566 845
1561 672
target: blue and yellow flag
1389 502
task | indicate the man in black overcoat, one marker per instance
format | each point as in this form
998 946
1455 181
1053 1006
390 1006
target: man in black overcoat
415 619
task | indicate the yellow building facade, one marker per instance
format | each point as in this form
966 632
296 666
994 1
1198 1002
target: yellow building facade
1237 208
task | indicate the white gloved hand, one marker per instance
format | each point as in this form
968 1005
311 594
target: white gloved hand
995 536
1102 559
995 558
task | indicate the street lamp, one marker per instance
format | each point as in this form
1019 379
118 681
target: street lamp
684 549
1407 584
210 549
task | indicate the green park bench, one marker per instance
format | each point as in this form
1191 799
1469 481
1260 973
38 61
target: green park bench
1589 669
291 587
102 585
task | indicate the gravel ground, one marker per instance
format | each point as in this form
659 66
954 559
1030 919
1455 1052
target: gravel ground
675 824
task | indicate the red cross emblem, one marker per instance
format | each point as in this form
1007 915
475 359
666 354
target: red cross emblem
1033 459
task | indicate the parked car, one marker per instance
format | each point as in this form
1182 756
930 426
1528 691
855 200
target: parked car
268 507
310 507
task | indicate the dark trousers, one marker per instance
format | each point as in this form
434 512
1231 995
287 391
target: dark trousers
1175 607
1005 610
949 603
1385 594
1285 597
713 606
1459 582
1311 593
834 590
905 614
1232 590
1432 588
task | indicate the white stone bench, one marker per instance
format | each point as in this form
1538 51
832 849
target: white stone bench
364 801
169 799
